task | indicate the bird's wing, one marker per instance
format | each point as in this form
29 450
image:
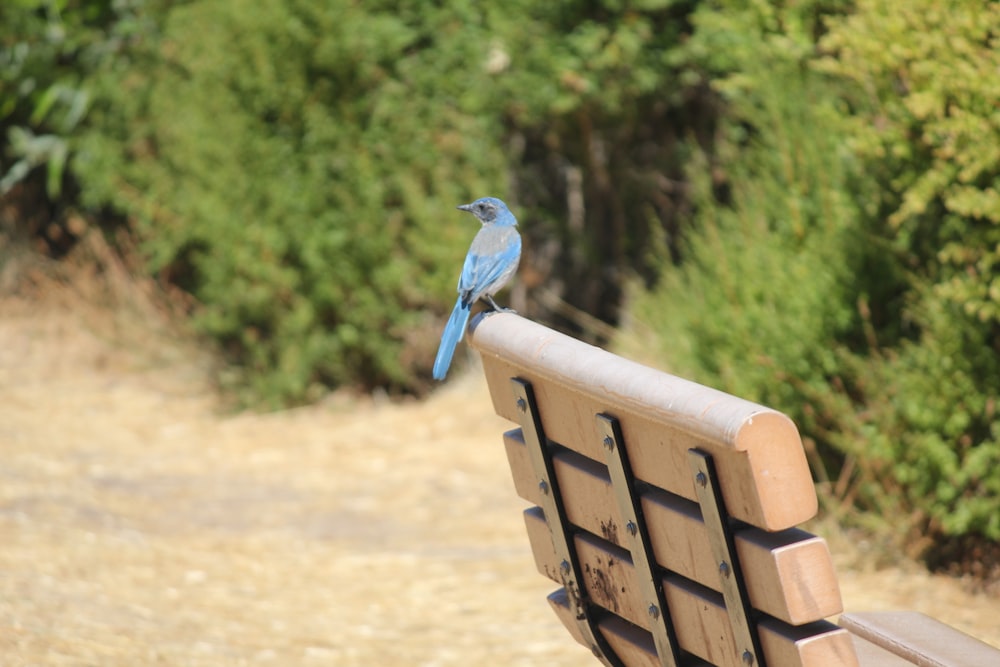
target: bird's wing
491 258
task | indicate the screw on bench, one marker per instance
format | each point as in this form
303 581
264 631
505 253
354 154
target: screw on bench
522 405
631 528
724 569
747 658
543 486
609 443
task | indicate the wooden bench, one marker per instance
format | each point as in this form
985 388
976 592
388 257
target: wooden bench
667 512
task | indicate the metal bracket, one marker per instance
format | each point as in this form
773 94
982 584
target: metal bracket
720 534
560 528
648 577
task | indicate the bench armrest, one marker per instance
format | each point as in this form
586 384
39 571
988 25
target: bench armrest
920 639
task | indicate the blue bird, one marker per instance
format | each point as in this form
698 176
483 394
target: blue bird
491 261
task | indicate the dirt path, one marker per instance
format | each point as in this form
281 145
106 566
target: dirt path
138 526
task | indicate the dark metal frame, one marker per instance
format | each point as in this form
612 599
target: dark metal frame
720 534
559 526
647 572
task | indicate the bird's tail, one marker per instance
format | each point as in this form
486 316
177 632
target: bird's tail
453 332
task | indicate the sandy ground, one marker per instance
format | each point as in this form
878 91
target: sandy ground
140 524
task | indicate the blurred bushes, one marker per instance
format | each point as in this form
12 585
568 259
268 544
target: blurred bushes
599 120
849 277
285 163
50 51
295 167
804 195
46 49
927 129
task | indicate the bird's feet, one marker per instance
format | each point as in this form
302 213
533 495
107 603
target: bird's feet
497 308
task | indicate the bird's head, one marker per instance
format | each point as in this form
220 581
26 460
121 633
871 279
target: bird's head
490 210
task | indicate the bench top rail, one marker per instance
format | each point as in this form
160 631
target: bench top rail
758 452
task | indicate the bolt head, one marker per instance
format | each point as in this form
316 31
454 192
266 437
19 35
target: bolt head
748 657
564 566
522 405
543 486
724 569
701 478
631 528
609 442
654 611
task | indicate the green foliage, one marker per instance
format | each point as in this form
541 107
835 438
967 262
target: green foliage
595 115
930 128
813 184
286 164
771 268
927 130
47 50
293 166
843 262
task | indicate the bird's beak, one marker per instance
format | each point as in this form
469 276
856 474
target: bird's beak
465 207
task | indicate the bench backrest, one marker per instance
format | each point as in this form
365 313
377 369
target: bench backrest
665 509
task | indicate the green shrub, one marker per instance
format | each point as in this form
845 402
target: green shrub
598 115
284 162
764 303
842 266
926 127
814 183
295 166
48 50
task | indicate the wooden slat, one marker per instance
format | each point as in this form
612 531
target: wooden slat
758 453
633 646
698 614
920 639
872 655
789 574
829 646
811 645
